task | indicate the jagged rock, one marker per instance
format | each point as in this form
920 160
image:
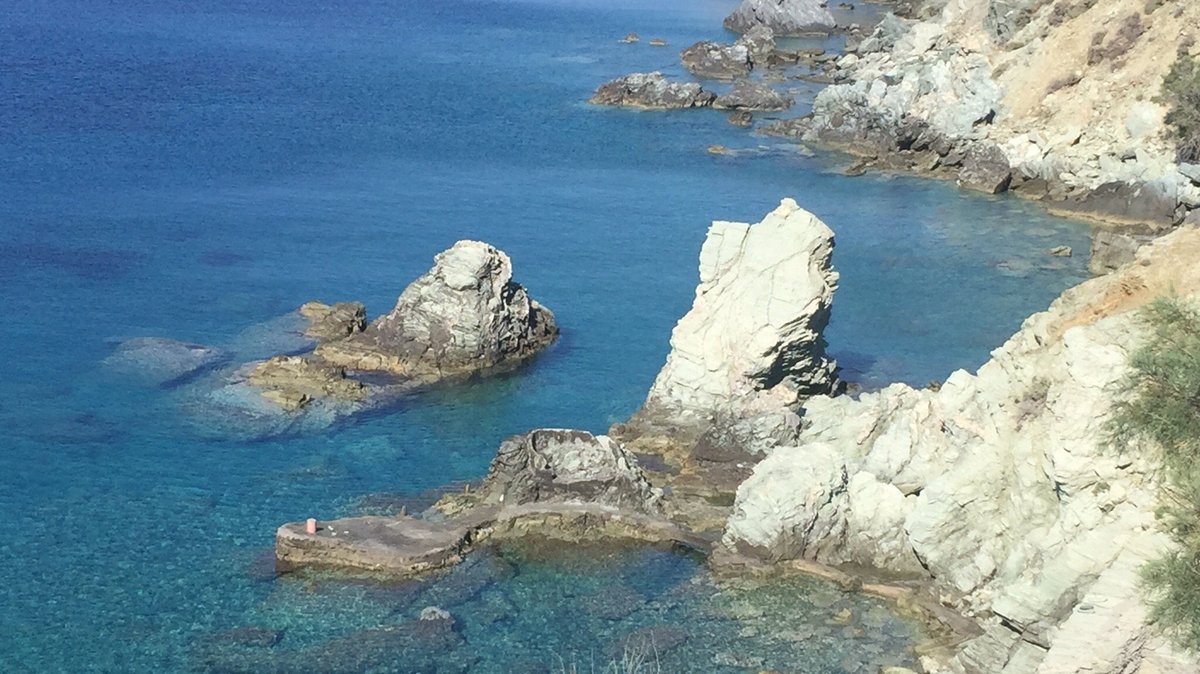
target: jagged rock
566 465
435 613
631 38
715 61
465 315
1114 248
999 487
330 323
784 17
652 90
293 382
752 342
157 361
985 168
747 95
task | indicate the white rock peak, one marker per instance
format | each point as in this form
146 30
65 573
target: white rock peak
755 326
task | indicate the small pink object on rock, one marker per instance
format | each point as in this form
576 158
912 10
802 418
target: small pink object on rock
310 527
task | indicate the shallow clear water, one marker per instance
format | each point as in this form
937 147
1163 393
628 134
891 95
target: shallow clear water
193 170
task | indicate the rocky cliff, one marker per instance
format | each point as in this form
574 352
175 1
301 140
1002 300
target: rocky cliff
999 488
1053 98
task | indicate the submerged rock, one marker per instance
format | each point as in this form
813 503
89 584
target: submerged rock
293 382
783 17
652 90
752 96
464 316
157 361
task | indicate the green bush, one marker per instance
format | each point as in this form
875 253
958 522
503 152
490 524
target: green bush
1160 412
1181 95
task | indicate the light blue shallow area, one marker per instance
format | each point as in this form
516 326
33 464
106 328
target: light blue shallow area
192 170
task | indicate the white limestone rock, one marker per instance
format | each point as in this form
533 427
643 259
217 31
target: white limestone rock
751 345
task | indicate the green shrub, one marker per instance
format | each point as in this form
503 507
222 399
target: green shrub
1160 412
1181 95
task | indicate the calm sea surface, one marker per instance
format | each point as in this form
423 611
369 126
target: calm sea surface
196 169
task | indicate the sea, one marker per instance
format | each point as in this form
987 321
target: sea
196 170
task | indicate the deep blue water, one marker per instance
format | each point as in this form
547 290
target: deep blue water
193 169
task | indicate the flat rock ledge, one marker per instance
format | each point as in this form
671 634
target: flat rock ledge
652 91
552 483
405 546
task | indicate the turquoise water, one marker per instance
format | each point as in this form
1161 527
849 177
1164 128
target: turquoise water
193 170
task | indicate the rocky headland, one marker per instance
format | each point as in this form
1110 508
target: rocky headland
1055 100
993 502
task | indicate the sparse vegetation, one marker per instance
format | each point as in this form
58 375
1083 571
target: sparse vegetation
1181 95
1161 413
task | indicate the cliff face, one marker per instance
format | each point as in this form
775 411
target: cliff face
998 487
1056 98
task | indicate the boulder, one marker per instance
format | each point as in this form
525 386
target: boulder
1124 203
465 315
157 361
715 61
783 17
985 168
742 118
1114 248
651 90
759 42
566 465
748 95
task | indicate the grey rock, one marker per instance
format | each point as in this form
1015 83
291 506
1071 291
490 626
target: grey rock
1191 172
759 41
748 95
157 361
1061 251
715 61
652 90
435 613
465 315
1114 248
985 168
567 465
327 323
1124 203
784 17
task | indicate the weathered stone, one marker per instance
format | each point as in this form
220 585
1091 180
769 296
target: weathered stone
330 323
652 90
293 382
715 61
752 342
466 315
1114 248
748 95
1124 203
1061 251
569 465
784 17
157 361
985 168
742 118
998 486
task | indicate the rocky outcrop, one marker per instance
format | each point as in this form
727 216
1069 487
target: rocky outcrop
549 482
652 90
747 95
330 323
783 17
752 340
464 316
998 488
716 61
1055 100
743 357
293 382
568 465
157 361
